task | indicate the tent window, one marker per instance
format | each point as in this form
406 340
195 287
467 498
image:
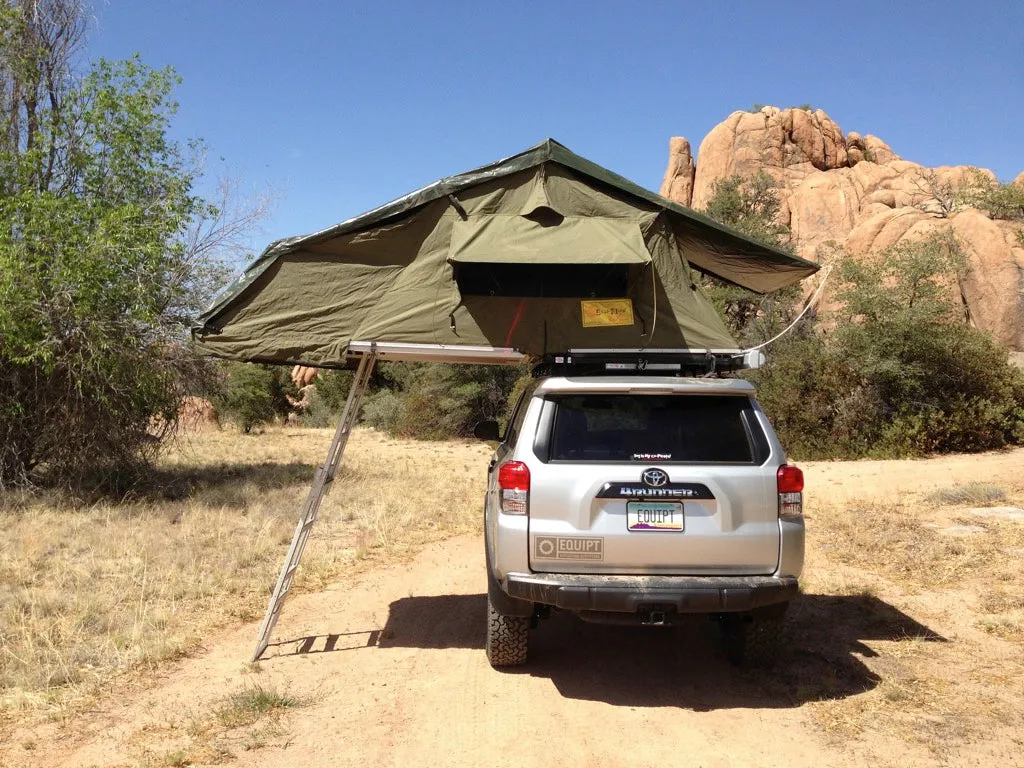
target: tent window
556 281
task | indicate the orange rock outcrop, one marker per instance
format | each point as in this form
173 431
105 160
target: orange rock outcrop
854 190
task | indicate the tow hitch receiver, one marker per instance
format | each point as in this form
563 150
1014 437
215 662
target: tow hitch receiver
653 618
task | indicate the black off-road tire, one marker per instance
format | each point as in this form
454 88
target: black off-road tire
734 638
752 642
507 638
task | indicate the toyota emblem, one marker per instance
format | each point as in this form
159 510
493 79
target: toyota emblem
654 477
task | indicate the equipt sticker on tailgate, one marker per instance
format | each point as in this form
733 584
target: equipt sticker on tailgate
568 548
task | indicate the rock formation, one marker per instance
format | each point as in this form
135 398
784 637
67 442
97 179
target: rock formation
196 414
678 183
303 375
856 191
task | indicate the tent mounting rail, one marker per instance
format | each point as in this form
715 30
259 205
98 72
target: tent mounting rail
438 353
664 362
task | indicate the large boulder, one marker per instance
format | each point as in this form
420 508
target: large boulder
787 143
855 191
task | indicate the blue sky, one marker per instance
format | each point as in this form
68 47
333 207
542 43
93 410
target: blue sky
340 106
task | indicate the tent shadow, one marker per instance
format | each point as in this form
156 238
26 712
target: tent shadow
683 666
228 483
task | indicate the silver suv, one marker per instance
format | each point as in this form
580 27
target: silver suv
638 499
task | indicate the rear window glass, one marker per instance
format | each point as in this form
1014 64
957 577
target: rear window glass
651 428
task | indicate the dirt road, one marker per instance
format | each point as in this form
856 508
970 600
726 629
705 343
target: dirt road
397 676
391 672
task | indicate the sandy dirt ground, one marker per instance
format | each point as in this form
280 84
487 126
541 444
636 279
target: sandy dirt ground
391 672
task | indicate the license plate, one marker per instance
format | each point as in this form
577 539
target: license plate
654 516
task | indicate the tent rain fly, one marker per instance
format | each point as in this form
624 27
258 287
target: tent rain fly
540 253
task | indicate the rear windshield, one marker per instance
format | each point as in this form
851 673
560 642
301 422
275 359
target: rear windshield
652 428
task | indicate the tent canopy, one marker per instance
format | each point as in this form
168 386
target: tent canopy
542 252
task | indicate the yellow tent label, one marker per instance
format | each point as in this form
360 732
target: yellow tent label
598 313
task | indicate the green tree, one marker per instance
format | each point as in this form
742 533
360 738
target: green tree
1001 200
105 253
751 206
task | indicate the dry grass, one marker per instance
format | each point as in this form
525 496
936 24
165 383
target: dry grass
907 635
88 593
250 718
897 540
944 682
977 494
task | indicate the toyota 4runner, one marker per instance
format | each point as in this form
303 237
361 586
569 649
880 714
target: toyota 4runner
639 499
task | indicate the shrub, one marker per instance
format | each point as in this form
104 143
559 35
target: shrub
436 401
322 404
251 395
518 387
901 375
332 388
1001 200
105 254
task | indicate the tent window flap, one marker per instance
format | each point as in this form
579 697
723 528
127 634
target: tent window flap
505 238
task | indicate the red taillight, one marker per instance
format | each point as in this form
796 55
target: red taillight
790 479
514 482
514 476
791 500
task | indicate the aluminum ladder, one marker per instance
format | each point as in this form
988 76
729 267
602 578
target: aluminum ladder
321 482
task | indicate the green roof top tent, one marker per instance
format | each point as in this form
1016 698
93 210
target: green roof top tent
539 254
500 257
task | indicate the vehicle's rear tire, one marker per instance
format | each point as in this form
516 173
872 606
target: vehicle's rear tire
734 638
507 638
752 641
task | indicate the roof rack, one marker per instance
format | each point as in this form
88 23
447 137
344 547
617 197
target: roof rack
575 362
666 362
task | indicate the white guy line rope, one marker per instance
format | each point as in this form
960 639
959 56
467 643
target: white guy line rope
814 300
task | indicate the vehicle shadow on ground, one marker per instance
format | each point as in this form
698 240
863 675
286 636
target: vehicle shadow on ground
819 658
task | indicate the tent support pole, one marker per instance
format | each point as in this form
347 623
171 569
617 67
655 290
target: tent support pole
322 479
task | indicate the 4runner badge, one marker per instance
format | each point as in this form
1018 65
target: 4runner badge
568 548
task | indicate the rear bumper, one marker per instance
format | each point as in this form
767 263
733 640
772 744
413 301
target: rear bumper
633 594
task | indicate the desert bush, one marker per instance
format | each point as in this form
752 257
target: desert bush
250 395
518 387
901 374
332 388
321 405
435 401
750 205
1001 200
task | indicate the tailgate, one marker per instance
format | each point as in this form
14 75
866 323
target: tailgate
624 488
